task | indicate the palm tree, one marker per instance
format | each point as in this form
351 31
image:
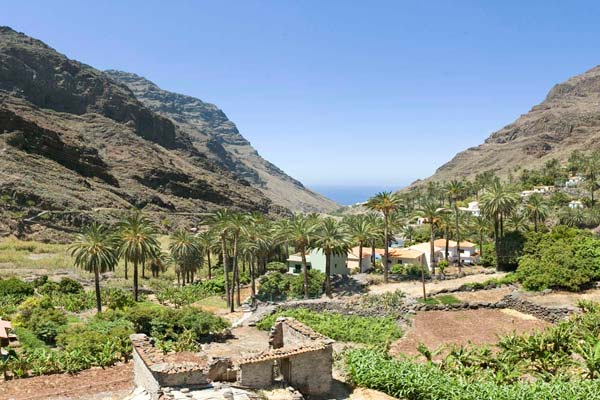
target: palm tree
455 190
301 231
206 241
186 253
333 239
159 263
386 203
137 243
94 250
409 232
518 221
432 212
536 209
376 223
236 224
497 202
481 226
220 224
362 231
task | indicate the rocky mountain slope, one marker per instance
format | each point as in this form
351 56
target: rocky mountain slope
75 141
214 135
568 119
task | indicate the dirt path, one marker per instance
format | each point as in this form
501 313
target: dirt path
563 299
436 328
96 383
414 289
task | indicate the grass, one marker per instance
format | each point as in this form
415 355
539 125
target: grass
346 328
445 299
508 279
19 255
212 302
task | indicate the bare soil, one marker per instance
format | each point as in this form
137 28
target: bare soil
413 288
563 299
96 383
438 328
491 295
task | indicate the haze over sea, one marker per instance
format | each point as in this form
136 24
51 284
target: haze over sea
348 195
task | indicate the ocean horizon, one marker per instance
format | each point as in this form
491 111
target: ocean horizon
349 195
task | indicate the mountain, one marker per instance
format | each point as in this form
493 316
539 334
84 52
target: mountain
214 135
78 143
568 119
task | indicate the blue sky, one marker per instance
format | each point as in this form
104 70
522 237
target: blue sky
337 92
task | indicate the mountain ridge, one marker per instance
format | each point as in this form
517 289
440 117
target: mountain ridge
567 119
218 137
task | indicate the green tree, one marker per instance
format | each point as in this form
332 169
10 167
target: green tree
385 203
497 202
362 232
537 209
186 253
333 239
137 243
94 250
455 191
301 232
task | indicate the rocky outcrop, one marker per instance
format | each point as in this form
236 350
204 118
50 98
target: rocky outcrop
568 119
76 143
214 135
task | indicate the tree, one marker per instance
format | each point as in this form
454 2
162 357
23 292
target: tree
362 232
431 211
333 239
206 241
385 203
409 232
537 209
591 171
137 243
159 263
481 225
186 253
455 191
301 231
236 223
220 224
94 250
497 202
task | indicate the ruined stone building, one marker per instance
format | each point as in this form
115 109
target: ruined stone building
297 356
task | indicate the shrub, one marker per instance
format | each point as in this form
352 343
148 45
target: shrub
68 285
40 316
348 328
274 286
277 266
565 258
15 287
315 284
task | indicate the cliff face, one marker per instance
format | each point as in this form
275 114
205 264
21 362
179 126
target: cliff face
74 140
568 119
215 136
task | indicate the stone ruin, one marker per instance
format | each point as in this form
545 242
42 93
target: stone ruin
297 356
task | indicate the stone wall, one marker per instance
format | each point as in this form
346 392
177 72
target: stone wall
257 375
551 314
310 373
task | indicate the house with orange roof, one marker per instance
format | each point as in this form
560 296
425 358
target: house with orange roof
396 255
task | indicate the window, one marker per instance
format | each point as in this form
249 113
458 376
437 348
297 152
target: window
297 268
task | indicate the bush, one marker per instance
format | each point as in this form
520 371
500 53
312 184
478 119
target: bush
274 286
488 258
565 258
277 266
15 287
315 284
40 316
409 270
68 285
347 328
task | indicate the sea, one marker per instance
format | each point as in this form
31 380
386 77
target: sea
349 195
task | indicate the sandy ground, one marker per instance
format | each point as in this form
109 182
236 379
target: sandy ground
492 295
112 383
436 328
413 288
246 341
562 299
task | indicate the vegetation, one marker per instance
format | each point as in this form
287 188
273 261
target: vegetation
346 328
559 363
445 299
276 286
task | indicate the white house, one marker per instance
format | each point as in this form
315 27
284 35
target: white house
316 259
472 208
425 248
575 204
574 181
543 189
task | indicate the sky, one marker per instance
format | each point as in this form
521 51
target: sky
344 93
